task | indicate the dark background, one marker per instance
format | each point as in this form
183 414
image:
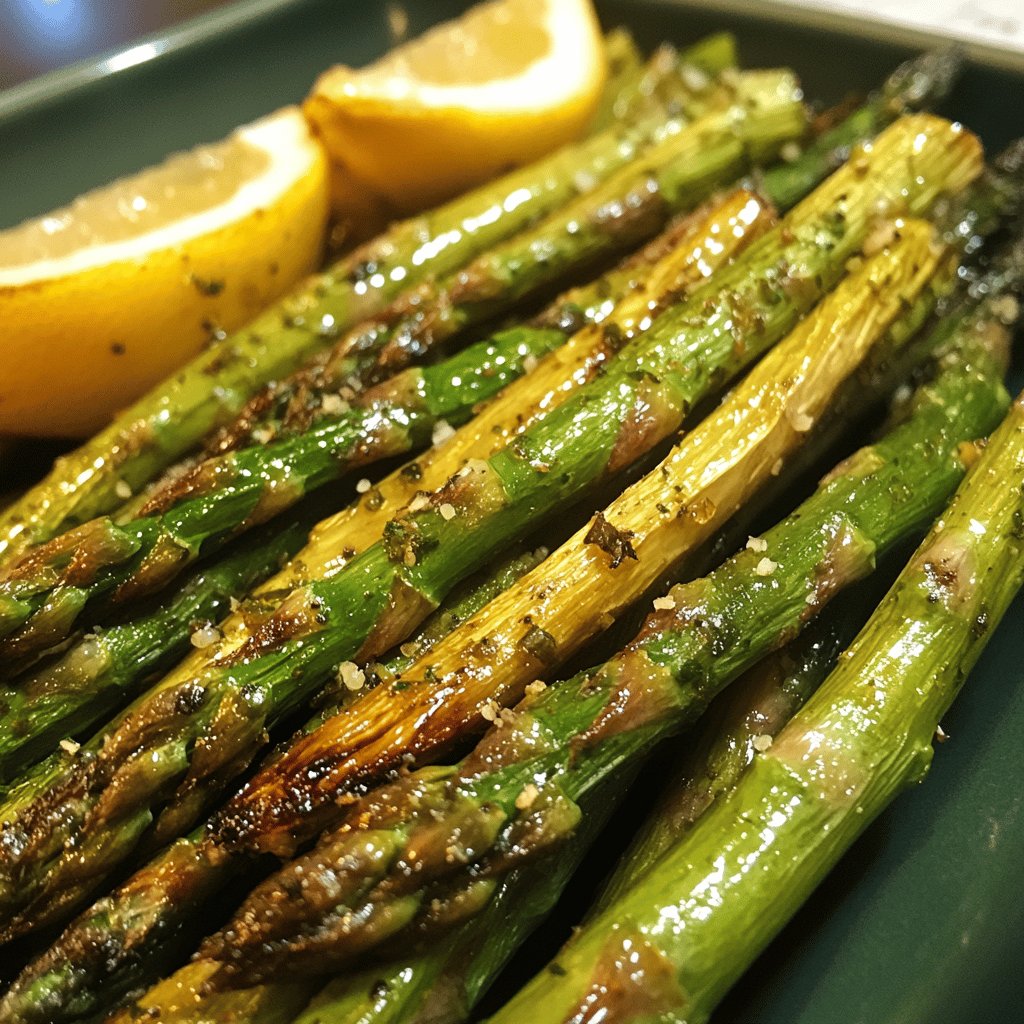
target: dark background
39 35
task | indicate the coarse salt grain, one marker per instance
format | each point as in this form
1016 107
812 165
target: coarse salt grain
584 181
1006 308
489 711
757 544
333 405
880 236
664 604
351 675
790 152
762 743
205 636
419 502
765 567
800 421
530 363
537 686
447 511
694 78
527 797
442 431
70 746
362 486
123 490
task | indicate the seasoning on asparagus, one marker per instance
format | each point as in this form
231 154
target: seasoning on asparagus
393 858
735 879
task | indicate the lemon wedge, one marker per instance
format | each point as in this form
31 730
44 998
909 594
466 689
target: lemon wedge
104 297
498 87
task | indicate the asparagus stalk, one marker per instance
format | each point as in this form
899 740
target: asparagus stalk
175 416
68 695
635 88
625 69
641 398
397 851
737 877
916 83
230 702
738 723
462 604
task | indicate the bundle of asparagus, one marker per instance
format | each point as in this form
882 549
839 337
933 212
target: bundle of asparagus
420 882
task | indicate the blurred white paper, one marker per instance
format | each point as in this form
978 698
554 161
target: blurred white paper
994 22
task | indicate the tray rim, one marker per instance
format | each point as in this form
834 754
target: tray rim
36 93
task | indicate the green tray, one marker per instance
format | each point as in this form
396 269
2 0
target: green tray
923 921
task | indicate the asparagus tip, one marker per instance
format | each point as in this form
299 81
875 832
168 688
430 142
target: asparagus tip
1010 160
926 79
